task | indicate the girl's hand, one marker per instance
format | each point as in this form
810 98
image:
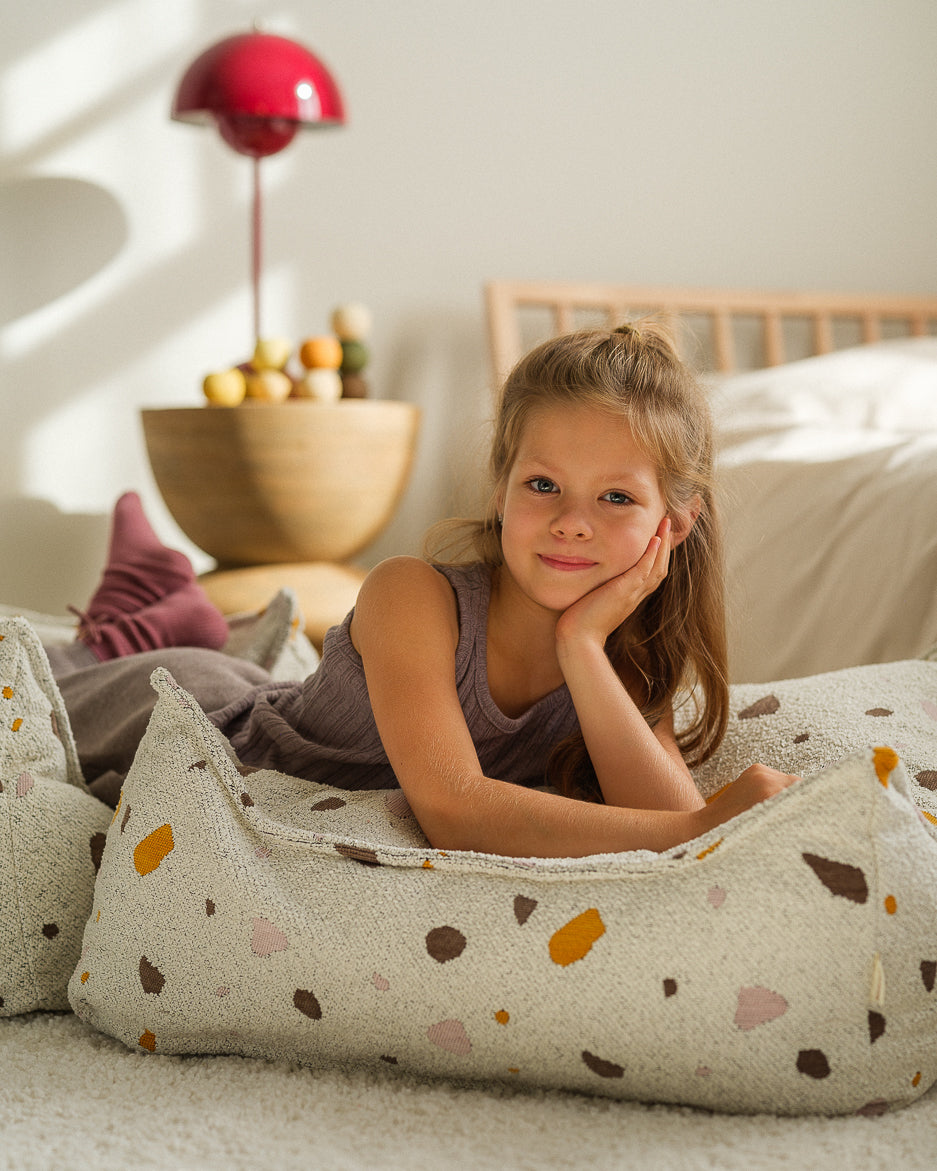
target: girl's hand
756 784
604 609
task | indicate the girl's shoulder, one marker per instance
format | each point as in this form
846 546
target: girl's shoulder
407 596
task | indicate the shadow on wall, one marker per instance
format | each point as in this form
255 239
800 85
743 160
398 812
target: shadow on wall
61 555
57 233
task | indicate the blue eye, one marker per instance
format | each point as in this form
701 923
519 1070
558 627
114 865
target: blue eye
541 485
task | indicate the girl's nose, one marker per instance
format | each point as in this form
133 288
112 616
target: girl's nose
571 523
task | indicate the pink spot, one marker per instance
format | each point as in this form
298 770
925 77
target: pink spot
703 1071
757 1006
716 896
267 939
929 708
451 1036
380 983
262 852
223 991
24 783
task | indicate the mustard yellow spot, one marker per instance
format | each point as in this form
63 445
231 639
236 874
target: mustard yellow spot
713 796
502 1017
153 849
147 1040
709 849
97 917
916 1080
574 940
117 806
17 724
8 692
513 1069
885 760
891 904
427 865
930 817
84 976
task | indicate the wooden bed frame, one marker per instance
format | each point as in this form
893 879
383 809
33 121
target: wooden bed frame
723 329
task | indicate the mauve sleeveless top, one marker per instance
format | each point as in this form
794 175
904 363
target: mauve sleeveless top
323 728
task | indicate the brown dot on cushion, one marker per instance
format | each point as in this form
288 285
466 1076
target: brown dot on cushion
879 711
97 849
307 1004
445 943
199 764
246 800
600 1066
125 819
876 1026
838 877
670 987
209 907
389 1060
927 778
813 1063
50 930
151 978
802 738
929 973
766 706
358 854
523 909
874 1109
330 803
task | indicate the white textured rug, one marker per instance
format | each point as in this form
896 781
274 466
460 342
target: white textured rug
70 1097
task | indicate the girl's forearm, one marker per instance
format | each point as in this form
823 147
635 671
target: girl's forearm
632 766
493 817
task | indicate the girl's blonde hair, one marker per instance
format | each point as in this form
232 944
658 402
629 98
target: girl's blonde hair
675 641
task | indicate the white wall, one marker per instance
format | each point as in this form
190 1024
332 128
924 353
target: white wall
739 142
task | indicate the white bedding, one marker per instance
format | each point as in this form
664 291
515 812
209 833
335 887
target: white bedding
828 471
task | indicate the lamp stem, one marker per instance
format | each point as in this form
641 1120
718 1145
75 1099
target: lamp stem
256 247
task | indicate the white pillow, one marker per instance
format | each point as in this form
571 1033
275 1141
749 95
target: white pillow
782 963
889 386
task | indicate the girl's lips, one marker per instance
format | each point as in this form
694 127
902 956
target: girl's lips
567 564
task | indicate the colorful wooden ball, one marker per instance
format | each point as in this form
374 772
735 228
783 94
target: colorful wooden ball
355 356
321 353
354 386
270 386
351 322
320 383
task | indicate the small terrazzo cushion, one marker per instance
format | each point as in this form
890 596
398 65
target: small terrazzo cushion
785 962
802 725
51 831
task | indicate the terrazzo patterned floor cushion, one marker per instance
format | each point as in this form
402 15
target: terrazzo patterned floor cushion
51 831
784 963
802 725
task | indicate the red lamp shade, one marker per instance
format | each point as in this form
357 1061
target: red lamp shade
258 89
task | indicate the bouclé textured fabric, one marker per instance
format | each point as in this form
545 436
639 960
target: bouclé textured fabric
51 831
785 962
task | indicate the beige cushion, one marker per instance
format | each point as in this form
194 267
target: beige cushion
51 831
785 962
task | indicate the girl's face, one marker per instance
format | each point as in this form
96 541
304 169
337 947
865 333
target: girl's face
581 503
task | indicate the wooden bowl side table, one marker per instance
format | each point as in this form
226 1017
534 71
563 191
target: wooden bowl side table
283 494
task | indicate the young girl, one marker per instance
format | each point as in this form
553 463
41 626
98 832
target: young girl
587 600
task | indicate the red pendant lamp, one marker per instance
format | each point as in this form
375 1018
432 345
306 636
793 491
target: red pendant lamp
258 89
